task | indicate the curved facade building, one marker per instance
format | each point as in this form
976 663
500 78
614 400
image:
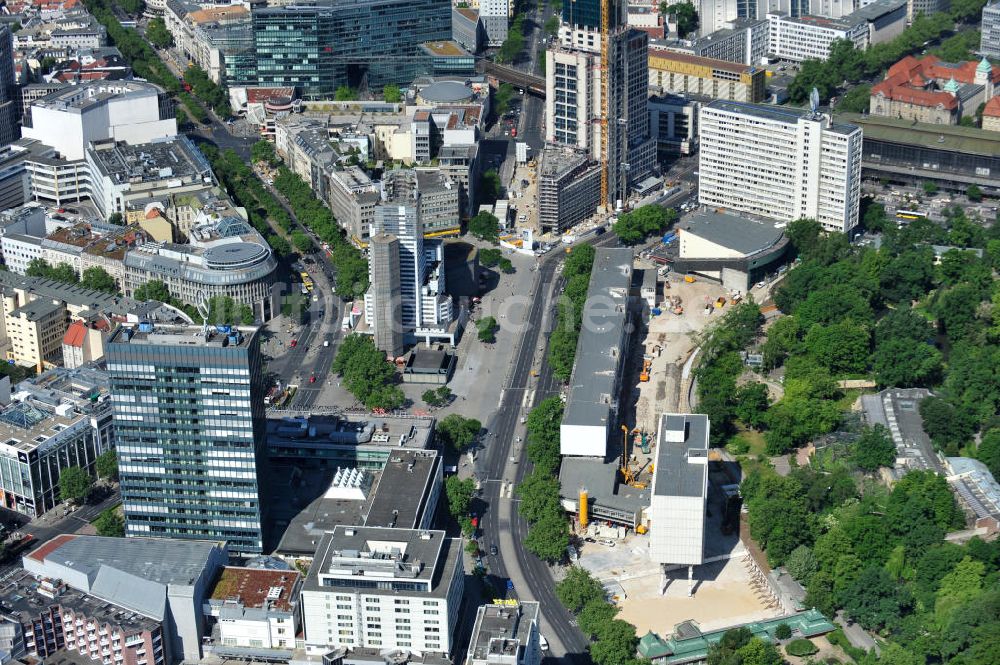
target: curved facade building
225 258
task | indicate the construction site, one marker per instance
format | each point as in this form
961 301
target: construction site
657 518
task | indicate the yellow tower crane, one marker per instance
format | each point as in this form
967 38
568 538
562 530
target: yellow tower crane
605 70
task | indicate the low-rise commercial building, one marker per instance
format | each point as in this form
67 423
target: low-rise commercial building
735 250
505 635
706 77
906 151
569 188
804 37
47 427
165 580
594 386
385 588
255 613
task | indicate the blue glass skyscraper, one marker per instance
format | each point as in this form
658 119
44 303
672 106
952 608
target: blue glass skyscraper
321 45
189 425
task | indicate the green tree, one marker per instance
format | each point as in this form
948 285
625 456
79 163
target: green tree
950 428
686 17
154 289
74 484
578 589
367 374
487 329
875 600
543 435
752 401
432 398
616 643
906 363
106 465
840 347
539 494
595 615
974 193
801 648
459 493
303 243
637 225
345 93
502 98
263 151
962 585
485 226
506 267
548 537
855 100
552 25
98 279
490 257
458 432
116 219
110 524
783 631
157 33
392 94
930 188
988 451
801 564
874 449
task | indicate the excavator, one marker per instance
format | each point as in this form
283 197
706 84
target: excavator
630 477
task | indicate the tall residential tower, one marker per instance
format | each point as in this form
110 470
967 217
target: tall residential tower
189 422
779 162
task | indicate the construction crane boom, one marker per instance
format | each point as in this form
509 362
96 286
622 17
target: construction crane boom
605 73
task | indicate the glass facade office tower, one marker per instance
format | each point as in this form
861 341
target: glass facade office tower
189 424
321 45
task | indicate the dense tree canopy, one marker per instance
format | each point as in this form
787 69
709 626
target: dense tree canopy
367 374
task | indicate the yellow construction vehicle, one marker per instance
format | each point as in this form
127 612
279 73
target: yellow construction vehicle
630 477
644 376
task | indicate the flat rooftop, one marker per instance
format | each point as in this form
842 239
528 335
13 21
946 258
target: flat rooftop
737 232
790 116
687 58
600 478
257 588
396 497
502 630
72 294
682 456
182 335
20 599
396 554
445 48
949 138
598 354
164 561
78 98
297 430
163 159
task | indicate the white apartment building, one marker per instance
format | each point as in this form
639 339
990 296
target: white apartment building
128 111
574 79
383 588
780 163
505 634
804 37
989 46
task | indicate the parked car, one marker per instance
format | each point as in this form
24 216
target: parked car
493 550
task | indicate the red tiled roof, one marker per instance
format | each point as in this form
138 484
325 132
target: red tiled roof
992 109
153 213
48 548
75 334
907 79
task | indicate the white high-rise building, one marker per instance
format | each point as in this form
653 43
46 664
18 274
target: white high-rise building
990 44
424 310
779 162
495 15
